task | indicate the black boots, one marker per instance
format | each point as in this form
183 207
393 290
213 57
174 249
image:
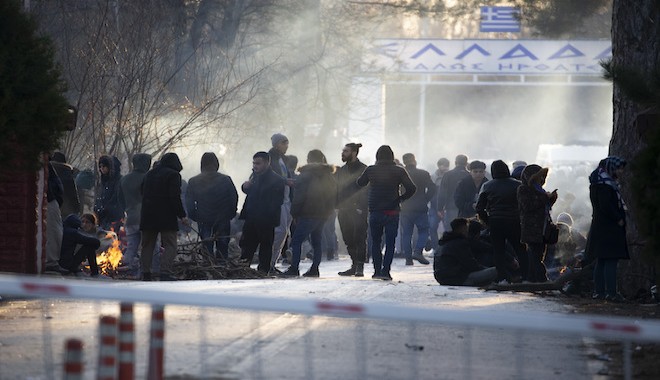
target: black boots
356 270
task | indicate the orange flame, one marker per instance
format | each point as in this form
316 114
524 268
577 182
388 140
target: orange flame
110 258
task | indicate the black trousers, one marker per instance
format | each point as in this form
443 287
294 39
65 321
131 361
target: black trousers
353 227
535 254
257 235
72 263
504 231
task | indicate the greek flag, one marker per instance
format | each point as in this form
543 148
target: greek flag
500 19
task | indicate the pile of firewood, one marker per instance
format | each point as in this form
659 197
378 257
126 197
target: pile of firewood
193 262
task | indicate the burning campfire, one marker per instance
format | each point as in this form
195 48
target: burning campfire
108 260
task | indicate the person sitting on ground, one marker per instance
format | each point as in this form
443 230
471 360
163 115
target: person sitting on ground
480 244
70 256
455 264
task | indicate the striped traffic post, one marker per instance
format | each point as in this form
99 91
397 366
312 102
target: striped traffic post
107 366
126 343
73 360
156 343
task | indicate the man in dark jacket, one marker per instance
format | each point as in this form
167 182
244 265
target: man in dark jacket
71 200
130 199
55 198
352 206
69 257
261 211
455 263
466 192
211 201
161 207
106 205
279 165
414 211
316 194
497 207
384 205
445 202
434 215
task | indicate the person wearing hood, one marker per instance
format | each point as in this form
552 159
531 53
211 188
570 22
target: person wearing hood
497 207
414 212
352 209
72 237
212 201
106 205
316 194
455 263
535 204
130 199
385 179
606 242
161 207
518 167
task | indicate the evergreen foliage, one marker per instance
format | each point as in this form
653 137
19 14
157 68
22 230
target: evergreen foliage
33 110
644 90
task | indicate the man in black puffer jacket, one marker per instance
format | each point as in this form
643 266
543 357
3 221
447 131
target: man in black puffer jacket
455 263
211 201
385 178
497 207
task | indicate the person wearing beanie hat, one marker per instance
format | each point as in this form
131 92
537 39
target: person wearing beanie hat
414 212
352 209
446 205
385 178
278 163
535 204
212 201
497 207
565 218
607 241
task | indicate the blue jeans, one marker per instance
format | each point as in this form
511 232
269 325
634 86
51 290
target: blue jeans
434 223
133 239
379 223
221 231
408 223
305 227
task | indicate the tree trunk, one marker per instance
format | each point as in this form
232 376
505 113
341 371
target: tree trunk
635 45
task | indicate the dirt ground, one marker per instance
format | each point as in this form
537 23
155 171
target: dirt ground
646 357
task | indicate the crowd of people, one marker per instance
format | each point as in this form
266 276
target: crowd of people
480 226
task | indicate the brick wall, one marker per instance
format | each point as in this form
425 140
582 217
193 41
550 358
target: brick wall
18 222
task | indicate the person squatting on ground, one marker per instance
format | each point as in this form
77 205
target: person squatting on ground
261 211
212 201
78 246
352 208
161 209
535 204
465 196
106 205
414 212
455 263
446 205
385 178
606 241
277 153
130 198
497 207
316 194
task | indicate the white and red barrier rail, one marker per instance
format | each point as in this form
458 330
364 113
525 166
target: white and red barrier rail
596 326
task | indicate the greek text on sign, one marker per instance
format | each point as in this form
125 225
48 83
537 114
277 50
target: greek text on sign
434 56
